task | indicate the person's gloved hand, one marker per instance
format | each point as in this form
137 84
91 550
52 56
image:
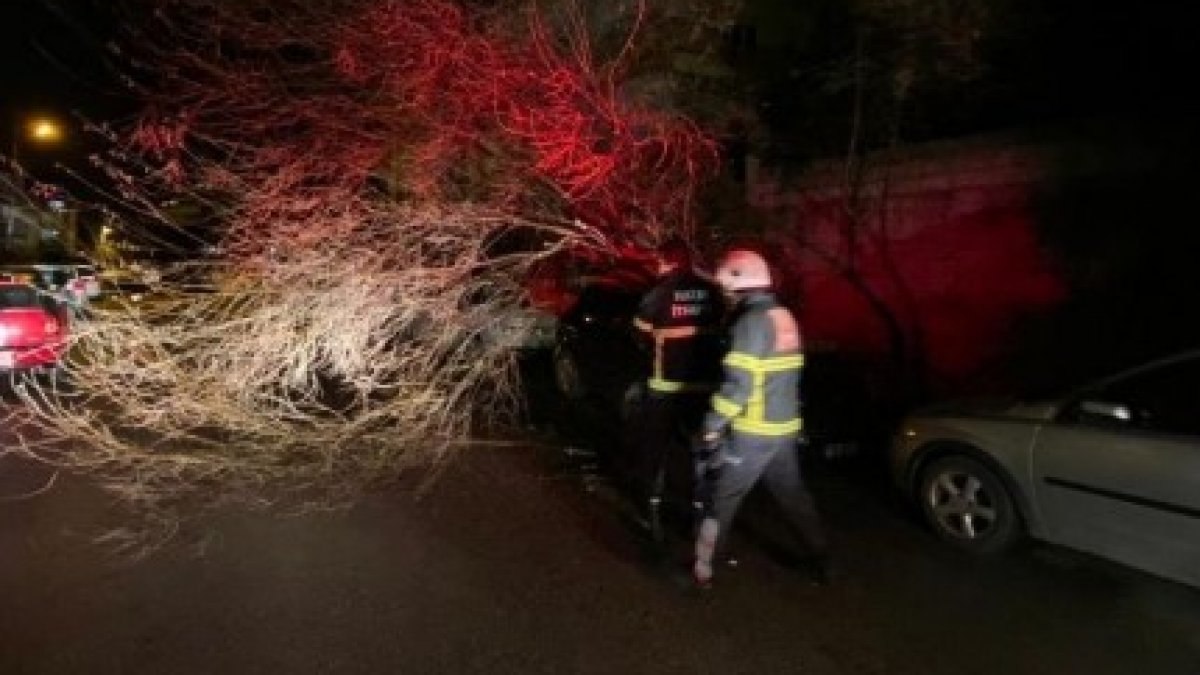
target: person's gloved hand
705 445
705 452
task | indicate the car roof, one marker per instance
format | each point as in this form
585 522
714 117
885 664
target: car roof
1156 363
1145 366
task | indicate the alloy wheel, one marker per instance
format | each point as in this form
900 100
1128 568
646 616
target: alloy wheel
962 504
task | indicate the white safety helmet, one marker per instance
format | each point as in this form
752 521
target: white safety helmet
743 270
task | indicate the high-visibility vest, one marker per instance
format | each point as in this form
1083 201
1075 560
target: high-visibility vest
759 394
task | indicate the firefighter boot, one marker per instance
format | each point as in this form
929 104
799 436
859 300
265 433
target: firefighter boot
706 544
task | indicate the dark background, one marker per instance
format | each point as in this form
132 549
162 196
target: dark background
1115 80
1045 63
56 61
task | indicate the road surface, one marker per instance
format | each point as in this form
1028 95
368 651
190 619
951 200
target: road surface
518 560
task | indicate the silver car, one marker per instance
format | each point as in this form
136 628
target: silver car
1112 469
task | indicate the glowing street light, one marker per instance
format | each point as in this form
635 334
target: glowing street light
44 130
40 130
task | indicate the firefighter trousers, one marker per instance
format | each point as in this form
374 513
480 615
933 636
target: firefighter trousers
742 461
667 424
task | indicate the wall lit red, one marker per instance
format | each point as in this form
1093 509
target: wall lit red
950 247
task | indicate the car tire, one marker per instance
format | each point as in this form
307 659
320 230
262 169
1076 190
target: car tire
567 378
968 505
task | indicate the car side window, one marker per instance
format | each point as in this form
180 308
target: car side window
1165 399
18 297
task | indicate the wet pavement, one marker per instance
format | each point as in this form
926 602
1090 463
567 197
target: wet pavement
519 559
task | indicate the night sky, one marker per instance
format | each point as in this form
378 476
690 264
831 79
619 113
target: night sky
1055 60
55 61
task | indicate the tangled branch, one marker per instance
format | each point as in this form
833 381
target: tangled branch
364 158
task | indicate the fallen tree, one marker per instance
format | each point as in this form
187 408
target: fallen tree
362 157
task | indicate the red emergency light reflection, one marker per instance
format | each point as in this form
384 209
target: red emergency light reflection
438 102
957 280
625 168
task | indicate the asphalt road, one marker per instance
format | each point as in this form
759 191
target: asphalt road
518 560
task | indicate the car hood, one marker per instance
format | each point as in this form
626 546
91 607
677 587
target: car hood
991 408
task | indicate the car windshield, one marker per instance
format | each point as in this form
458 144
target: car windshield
18 297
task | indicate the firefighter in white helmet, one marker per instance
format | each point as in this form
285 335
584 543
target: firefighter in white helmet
753 426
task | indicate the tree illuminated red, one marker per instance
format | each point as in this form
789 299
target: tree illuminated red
440 102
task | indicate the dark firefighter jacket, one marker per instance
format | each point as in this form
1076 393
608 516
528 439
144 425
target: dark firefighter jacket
760 392
680 319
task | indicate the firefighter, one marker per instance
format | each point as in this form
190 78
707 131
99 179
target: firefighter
752 429
680 322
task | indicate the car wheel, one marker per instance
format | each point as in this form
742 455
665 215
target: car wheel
566 375
968 505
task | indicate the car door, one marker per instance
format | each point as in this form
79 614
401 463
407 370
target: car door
1118 474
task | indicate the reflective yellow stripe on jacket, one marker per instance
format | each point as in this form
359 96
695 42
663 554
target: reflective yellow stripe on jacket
752 417
673 387
656 382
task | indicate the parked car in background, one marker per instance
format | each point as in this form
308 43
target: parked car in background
1112 469
72 283
596 359
33 329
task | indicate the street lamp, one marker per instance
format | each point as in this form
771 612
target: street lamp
44 130
40 130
